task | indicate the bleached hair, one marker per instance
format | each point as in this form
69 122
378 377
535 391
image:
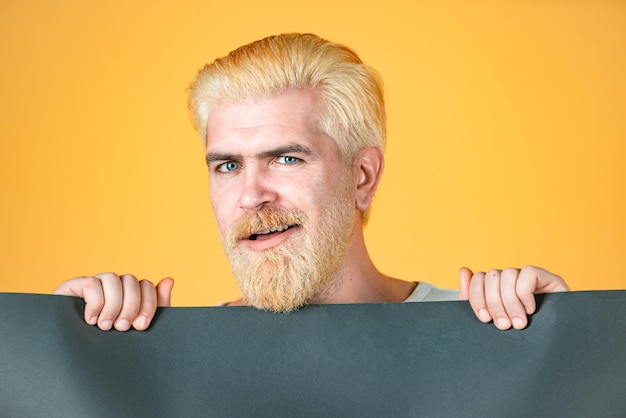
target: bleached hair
353 107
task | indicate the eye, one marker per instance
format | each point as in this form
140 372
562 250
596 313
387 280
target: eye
287 160
228 167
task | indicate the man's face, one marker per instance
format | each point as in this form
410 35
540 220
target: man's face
282 196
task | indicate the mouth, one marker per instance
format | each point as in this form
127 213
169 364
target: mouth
270 232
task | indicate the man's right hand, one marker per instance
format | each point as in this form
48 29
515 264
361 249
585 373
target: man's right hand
118 302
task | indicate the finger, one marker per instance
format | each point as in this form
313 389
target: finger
526 285
88 288
113 298
514 307
494 300
148 305
465 278
477 297
546 282
131 302
533 280
164 291
151 297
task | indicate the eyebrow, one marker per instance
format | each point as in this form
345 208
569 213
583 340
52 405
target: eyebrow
275 152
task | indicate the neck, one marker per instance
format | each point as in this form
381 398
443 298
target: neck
359 281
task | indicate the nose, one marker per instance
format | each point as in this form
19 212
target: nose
257 190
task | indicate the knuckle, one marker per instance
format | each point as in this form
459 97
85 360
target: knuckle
108 276
493 274
510 272
494 302
477 300
497 311
147 312
91 283
510 276
128 279
130 308
146 284
512 303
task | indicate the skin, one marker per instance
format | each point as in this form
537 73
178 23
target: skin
268 152
248 133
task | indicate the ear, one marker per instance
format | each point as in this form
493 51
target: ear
368 169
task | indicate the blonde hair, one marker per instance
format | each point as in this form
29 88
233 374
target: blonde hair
353 107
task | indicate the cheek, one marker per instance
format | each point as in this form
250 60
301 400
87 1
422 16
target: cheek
223 223
314 199
221 209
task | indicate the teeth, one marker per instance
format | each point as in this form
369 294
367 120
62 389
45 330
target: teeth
274 229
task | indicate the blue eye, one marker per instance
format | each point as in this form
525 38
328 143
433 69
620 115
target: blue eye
286 159
228 166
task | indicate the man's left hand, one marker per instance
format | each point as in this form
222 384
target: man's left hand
506 297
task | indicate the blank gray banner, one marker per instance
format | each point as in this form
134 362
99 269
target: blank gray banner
428 359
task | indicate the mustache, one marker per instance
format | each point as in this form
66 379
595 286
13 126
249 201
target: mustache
265 218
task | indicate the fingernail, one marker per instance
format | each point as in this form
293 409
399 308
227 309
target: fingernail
122 325
503 323
141 322
93 320
484 316
106 325
518 323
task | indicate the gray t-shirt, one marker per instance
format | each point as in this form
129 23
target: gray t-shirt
425 292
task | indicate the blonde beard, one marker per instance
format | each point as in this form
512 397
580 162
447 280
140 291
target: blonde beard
286 276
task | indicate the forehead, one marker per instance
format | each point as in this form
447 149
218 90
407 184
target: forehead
291 114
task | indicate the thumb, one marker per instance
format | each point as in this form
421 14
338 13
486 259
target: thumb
164 292
465 277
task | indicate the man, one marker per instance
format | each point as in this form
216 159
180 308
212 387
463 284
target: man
294 128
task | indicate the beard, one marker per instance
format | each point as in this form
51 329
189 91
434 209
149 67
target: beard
284 277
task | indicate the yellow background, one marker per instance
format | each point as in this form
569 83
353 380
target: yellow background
506 136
